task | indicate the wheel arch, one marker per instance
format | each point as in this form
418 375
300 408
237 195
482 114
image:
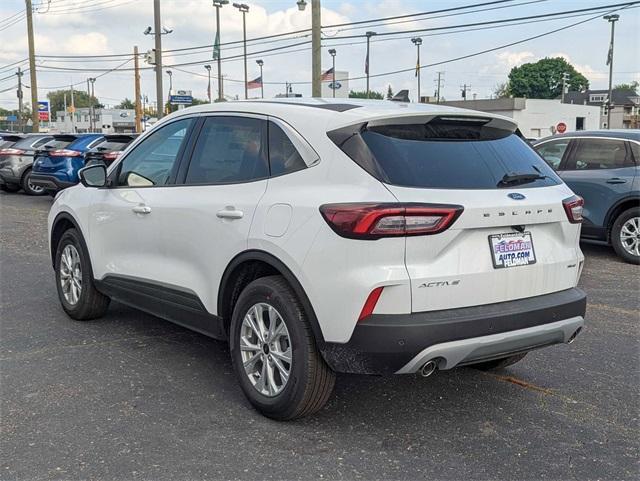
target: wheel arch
253 264
617 209
63 222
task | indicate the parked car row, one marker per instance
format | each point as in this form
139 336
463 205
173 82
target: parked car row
45 163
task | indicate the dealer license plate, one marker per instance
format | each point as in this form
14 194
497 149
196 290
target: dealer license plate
512 249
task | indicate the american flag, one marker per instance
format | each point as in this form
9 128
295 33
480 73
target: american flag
327 76
256 83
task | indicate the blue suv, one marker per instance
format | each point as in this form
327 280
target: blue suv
57 163
602 166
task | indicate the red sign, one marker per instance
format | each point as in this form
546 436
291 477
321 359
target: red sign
43 115
561 127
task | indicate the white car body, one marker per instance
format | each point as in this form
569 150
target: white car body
193 232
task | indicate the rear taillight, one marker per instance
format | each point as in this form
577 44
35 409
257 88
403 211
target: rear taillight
573 206
111 155
64 153
374 221
11 152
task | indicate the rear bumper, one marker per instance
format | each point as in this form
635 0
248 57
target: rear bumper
50 182
383 344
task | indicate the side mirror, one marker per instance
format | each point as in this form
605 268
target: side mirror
93 176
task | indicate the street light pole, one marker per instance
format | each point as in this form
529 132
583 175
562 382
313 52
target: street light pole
260 64
369 35
91 106
170 74
243 8
417 41
332 52
612 19
217 53
316 52
208 67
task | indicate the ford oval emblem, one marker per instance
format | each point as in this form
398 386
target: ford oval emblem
516 196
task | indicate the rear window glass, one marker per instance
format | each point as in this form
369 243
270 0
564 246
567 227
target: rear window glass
6 143
111 145
31 142
57 144
448 156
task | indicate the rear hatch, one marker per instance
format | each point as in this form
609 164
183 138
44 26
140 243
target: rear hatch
513 238
109 149
51 156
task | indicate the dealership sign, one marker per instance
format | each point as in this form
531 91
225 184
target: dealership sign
180 97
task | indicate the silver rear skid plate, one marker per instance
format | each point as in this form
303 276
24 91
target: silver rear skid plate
448 355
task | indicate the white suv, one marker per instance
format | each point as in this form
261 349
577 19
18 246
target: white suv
317 236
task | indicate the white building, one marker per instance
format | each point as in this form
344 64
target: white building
537 118
106 121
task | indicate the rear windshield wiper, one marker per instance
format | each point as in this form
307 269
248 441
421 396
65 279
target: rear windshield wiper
517 179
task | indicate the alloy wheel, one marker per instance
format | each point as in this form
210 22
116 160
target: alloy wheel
71 274
630 236
265 347
36 189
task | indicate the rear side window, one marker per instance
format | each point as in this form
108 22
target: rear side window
446 155
596 154
553 151
229 150
283 156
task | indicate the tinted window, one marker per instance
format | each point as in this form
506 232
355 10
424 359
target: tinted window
152 161
553 151
283 156
229 150
593 154
57 144
446 156
635 148
6 143
111 145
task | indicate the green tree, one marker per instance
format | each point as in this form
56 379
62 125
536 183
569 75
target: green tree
543 79
126 104
172 108
389 92
80 99
633 86
501 90
362 94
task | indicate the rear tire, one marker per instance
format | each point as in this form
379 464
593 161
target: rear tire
278 389
74 280
499 363
625 235
9 187
28 187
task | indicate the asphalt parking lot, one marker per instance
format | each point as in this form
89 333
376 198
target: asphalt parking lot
131 396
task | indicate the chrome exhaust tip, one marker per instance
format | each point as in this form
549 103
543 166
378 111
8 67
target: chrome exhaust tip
428 368
574 335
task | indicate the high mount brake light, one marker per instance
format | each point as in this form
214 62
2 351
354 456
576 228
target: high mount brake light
64 153
11 152
574 206
374 221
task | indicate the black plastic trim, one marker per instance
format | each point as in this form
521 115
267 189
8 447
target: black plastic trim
383 343
173 304
50 182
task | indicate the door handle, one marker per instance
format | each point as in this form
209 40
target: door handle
142 209
616 180
230 214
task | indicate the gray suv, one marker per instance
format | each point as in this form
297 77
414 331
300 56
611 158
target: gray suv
16 162
602 167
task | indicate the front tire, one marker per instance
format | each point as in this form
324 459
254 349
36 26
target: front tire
274 352
74 279
28 187
625 235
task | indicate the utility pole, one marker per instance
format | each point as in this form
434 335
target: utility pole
463 89
366 65
35 116
612 19
92 112
137 90
157 25
316 59
208 69
90 116
565 79
20 73
332 52
73 112
439 86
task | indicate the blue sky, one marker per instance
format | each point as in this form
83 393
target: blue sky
86 27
